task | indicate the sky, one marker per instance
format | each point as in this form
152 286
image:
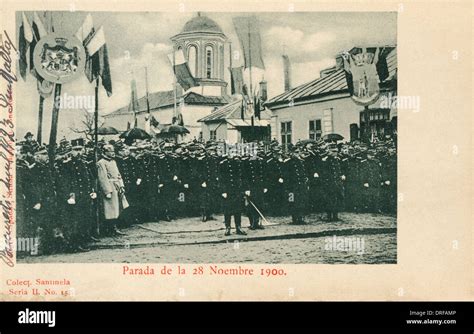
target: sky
135 40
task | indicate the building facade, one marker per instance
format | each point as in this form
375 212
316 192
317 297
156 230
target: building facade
228 124
325 106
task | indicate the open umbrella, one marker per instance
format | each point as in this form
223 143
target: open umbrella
107 130
135 133
175 129
333 137
306 142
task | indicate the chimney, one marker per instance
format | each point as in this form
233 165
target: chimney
263 90
287 72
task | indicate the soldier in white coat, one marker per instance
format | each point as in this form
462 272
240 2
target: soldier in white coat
113 191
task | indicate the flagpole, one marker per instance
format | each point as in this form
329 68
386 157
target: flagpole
146 87
96 150
230 55
39 137
174 83
250 77
54 123
133 100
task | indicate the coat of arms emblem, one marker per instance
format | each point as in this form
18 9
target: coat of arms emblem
59 59
365 80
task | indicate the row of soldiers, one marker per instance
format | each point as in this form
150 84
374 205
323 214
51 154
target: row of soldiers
162 182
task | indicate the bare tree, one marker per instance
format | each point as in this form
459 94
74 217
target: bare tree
87 127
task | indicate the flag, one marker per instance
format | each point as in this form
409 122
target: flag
99 60
96 42
381 66
236 80
245 91
257 105
181 70
92 46
249 37
39 31
84 34
180 120
154 122
32 34
133 106
25 39
286 72
39 26
105 70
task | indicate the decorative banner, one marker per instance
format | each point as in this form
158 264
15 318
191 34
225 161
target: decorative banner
365 81
59 59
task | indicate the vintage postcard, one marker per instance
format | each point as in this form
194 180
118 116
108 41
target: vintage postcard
219 150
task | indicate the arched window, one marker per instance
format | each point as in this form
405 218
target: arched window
209 61
192 60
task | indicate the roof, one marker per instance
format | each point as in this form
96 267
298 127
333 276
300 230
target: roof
201 24
248 122
166 99
231 111
333 83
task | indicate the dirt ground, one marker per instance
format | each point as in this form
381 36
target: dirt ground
357 238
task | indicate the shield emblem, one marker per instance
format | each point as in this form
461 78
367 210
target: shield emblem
59 59
248 108
365 80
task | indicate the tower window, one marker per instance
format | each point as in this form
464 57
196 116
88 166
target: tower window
209 62
192 60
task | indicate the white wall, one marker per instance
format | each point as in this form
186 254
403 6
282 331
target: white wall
220 128
344 111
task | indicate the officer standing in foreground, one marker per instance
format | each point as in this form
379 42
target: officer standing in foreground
334 184
113 189
255 190
232 194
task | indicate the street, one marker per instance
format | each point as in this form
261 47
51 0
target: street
357 238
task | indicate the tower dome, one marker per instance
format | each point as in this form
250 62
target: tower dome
201 24
202 42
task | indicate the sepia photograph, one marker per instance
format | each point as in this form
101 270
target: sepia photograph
207 137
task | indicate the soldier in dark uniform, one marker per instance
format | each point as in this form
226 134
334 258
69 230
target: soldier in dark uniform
230 179
313 166
370 187
42 199
351 185
388 192
334 184
75 185
131 171
24 222
276 190
205 183
187 185
149 185
30 145
167 187
296 187
254 190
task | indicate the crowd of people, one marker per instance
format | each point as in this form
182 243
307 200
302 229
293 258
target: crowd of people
75 199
